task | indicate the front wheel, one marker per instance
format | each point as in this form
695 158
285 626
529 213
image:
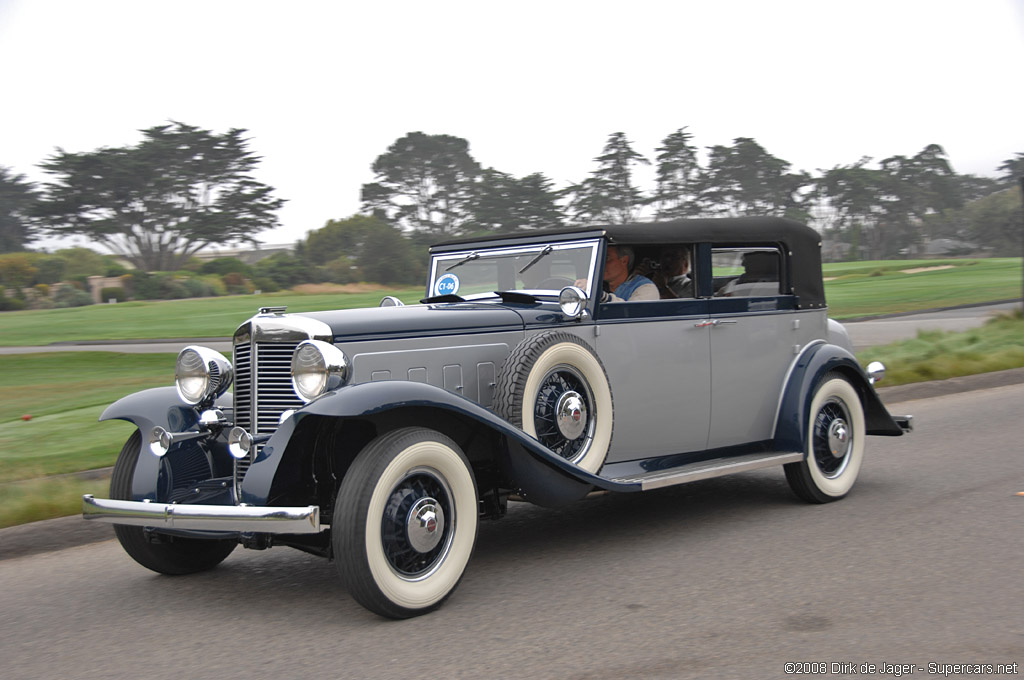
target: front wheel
834 443
174 555
405 522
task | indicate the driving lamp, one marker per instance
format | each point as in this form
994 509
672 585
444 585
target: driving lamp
239 442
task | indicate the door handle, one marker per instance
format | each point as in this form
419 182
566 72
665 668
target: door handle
713 322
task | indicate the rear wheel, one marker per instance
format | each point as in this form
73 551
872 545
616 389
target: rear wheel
834 443
405 522
174 555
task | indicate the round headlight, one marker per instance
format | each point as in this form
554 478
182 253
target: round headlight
201 373
317 367
572 301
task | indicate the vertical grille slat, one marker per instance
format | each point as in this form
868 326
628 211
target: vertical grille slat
263 389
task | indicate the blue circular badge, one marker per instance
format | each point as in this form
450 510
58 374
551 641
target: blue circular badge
448 284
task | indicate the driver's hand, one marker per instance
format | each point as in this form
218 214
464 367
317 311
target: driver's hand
581 283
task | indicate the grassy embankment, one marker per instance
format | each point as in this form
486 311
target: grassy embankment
858 289
66 392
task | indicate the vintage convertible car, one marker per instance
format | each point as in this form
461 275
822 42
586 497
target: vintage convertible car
379 437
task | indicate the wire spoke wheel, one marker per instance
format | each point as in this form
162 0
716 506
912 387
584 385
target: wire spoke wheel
416 530
555 388
565 413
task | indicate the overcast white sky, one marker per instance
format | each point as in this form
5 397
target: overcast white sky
325 87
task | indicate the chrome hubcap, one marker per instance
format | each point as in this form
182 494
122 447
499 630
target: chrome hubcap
838 438
832 438
424 525
571 415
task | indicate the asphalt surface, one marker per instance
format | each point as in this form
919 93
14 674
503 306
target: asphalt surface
724 578
883 330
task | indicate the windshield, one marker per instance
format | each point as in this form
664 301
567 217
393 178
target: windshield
540 269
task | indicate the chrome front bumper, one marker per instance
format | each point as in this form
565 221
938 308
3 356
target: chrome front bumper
241 518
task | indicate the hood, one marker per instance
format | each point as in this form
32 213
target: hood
417 320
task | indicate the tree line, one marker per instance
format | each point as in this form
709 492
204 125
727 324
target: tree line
431 185
183 189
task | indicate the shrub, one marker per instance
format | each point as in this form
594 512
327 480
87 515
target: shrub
158 286
9 304
51 269
42 289
237 284
214 283
225 265
107 294
196 287
68 296
265 284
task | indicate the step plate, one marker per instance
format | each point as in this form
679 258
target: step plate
708 469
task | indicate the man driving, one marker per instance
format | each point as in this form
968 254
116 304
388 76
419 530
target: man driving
619 278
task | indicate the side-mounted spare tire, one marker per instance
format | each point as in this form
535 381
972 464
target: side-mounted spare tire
554 387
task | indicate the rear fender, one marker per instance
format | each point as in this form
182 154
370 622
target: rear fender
537 473
157 407
807 371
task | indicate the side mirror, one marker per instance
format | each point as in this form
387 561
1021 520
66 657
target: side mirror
391 301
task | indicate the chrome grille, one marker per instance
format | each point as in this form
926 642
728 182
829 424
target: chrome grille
263 390
243 385
273 387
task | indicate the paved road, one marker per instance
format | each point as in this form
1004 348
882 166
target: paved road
726 578
862 333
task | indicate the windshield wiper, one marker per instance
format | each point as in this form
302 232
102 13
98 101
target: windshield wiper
469 258
540 256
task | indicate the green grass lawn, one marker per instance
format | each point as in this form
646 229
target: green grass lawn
870 288
192 318
65 393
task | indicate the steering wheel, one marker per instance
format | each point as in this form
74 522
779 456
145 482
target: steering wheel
555 283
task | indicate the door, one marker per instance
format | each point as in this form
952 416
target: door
657 356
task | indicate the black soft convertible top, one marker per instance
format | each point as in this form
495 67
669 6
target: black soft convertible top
802 243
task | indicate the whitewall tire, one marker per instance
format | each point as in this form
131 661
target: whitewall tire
554 388
834 443
405 522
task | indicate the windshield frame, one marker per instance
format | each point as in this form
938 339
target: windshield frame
441 262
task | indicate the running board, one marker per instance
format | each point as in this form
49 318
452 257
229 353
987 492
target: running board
707 469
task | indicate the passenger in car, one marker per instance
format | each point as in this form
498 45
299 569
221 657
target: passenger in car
760 277
672 277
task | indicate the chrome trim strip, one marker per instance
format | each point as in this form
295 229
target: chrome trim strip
258 519
712 468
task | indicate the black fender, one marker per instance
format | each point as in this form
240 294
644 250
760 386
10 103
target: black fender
539 475
157 407
805 374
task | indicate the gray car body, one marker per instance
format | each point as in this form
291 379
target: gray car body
691 379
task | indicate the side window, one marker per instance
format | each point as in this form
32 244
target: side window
746 272
670 267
